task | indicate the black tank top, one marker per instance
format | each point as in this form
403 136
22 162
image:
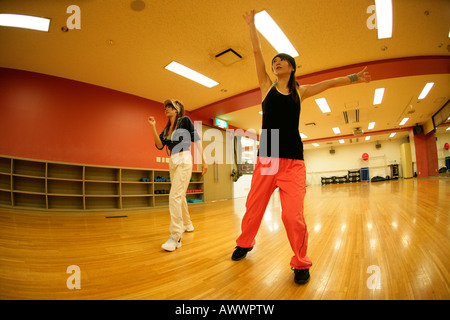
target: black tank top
281 115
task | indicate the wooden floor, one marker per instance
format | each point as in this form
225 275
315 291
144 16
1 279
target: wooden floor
400 227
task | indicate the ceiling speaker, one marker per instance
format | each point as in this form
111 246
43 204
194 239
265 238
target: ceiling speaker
137 5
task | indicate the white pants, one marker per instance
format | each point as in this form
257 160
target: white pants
180 167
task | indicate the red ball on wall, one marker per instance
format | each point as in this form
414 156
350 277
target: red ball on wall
365 156
446 146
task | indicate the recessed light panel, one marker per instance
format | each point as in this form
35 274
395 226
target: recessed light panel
336 130
323 105
191 74
383 10
378 96
272 32
23 21
426 90
403 121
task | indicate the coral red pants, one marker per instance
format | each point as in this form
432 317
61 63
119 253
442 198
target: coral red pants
289 175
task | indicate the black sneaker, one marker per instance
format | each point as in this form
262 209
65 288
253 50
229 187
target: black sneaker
240 253
301 275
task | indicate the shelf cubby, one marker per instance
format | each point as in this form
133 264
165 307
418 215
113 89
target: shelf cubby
101 189
29 200
5 165
102 203
137 189
58 202
65 172
102 174
129 202
29 168
29 184
5 198
135 175
5 182
65 187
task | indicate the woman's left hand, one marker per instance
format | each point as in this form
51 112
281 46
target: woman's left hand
363 75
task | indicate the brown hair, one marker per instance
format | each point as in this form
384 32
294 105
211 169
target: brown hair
179 115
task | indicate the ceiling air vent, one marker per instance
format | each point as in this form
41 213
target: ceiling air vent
228 57
351 116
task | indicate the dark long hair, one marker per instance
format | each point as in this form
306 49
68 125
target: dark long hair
293 84
179 115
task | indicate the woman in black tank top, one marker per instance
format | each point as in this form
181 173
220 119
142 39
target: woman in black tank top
280 156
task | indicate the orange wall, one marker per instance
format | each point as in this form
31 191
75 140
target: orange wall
55 119
426 154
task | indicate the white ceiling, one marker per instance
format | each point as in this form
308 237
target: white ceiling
126 50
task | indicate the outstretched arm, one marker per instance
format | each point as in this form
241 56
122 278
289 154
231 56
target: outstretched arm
307 91
263 78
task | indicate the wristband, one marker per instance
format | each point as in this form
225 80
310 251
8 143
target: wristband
353 77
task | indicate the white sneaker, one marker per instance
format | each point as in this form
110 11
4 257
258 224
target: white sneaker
171 244
188 228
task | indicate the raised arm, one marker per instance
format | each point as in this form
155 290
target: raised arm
307 91
263 78
152 122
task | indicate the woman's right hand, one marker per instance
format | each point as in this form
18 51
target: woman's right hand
249 17
152 120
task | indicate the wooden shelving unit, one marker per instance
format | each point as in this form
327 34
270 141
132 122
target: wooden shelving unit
46 185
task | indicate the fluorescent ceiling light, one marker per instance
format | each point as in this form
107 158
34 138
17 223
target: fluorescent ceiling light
367 138
341 141
336 130
315 144
383 9
270 30
303 136
425 90
22 21
403 121
371 125
447 129
378 96
392 134
323 105
191 74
